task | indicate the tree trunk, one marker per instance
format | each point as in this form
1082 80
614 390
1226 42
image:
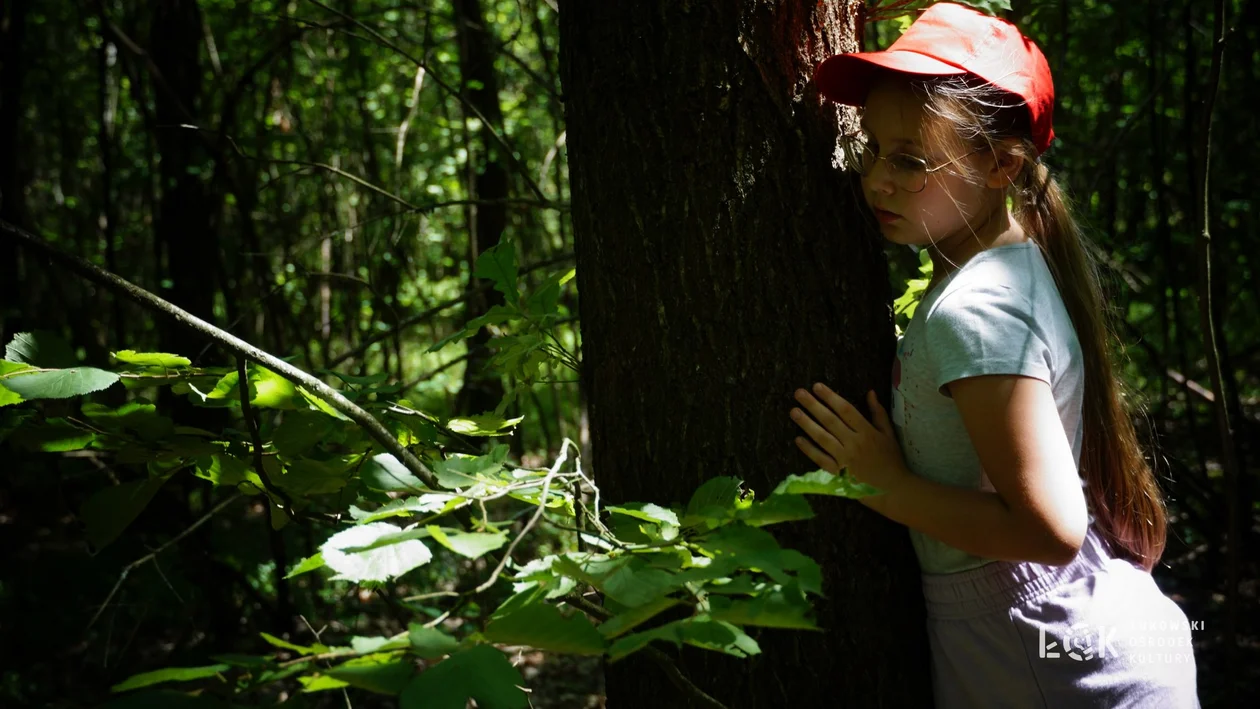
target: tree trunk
482 390
724 262
12 181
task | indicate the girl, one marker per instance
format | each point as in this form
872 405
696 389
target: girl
1009 453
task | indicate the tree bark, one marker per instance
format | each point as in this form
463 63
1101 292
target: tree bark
12 182
482 390
723 262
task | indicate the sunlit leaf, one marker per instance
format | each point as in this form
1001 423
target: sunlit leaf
378 564
485 425
470 544
170 674
821 482
310 563
60 383
40 348
152 359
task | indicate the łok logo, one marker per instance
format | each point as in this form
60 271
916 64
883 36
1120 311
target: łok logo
1079 643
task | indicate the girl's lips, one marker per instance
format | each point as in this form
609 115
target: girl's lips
885 216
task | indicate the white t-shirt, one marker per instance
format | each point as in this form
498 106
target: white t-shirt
1000 313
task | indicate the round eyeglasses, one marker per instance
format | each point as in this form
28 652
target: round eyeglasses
907 172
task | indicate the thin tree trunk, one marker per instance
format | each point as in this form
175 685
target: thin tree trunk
481 391
722 264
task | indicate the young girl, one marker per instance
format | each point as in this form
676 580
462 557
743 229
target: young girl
1009 453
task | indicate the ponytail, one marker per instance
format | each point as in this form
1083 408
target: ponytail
1120 488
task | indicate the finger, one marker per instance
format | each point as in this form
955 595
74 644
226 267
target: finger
823 460
821 411
880 414
848 413
820 435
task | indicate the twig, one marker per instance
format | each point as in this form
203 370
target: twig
247 411
542 505
100 276
153 555
1229 460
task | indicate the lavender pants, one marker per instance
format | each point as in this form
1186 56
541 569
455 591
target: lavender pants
1096 632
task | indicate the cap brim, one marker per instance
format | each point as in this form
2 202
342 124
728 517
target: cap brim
846 78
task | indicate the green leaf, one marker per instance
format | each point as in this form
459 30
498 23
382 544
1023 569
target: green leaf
646 511
469 544
460 470
430 643
821 482
40 349
405 507
498 263
378 564
53 436
384 472
365 645
300 431
484 425
223 469
319 404
8 396
138 416
320 683
270 390
170 674
481 673
757 549
775 509
109 511
543 626
786 608
544 299
717 496
152 359
60 383
634 617
382 674
299 649
700 631
310 563
307 476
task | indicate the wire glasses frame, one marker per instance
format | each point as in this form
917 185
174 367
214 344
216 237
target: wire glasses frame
908 172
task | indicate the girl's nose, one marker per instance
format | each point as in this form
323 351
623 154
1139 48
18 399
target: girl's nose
878 180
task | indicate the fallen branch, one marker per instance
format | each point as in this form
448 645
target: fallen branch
241 348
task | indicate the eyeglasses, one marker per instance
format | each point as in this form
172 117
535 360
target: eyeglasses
908 172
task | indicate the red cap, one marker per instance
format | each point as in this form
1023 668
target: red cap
947 40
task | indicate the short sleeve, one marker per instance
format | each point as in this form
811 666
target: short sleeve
986 329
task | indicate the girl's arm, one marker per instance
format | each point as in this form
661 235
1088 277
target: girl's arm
1038 511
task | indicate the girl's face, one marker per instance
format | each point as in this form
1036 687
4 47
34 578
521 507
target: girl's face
949 206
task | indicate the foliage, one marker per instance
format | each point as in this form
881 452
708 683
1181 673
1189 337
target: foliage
710 566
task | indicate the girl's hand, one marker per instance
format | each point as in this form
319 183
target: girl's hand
845 439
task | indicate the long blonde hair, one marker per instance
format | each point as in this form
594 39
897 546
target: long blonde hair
1121 490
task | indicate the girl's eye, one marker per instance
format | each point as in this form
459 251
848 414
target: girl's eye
905 163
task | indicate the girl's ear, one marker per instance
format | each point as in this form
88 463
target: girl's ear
1006 166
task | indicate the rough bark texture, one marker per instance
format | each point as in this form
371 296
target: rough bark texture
723 262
